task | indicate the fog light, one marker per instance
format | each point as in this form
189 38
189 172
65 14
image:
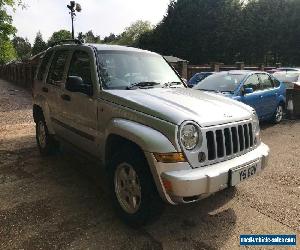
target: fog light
170 157
202 157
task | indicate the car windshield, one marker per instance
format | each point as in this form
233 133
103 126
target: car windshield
127 69
221 82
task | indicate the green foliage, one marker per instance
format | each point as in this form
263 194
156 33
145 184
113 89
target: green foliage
59 35
132 33
7 51
253 31
89 37
39 44
22 47
110 39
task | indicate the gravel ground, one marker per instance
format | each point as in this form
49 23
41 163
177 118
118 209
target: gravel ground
61 202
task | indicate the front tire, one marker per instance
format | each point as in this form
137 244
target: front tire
46 143
134 193
279 113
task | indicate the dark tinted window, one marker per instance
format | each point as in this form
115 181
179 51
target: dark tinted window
252 82
81 66
56 71
266 81
44 64
276 83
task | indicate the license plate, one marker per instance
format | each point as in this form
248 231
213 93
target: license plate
245 172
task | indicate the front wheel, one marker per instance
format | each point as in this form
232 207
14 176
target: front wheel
278 116
46 143
133 190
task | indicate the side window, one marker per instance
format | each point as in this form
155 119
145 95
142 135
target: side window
43 65
56 71
81 66
252 82
276 83
266 81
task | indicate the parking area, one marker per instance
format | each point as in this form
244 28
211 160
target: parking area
62 202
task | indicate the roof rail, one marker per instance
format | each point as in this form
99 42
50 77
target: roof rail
67 41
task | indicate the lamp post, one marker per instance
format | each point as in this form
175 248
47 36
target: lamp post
73 7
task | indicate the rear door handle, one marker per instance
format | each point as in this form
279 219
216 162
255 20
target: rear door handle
66 97
44 89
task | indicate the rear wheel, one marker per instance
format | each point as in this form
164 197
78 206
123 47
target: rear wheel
133 190
278 116
46 143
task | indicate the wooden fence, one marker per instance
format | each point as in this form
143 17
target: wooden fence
22 73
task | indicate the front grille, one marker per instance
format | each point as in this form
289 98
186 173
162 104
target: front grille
228 141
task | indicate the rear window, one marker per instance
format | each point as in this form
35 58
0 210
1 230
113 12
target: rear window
44 64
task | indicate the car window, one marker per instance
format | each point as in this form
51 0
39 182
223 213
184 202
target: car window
44 64
252 82
266 81
81 66
56 71
276 83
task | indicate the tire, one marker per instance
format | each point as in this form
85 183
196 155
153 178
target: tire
278 115
134 193
46 143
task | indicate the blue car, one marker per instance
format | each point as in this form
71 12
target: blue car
260 90
198 77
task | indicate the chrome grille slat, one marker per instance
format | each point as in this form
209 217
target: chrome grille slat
229 140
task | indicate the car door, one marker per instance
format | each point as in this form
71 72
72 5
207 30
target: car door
54 82
268 95
79 114
253 99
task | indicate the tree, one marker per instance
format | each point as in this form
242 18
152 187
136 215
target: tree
89 37
39 44
59 35
132 33
110 39
22 47
7 51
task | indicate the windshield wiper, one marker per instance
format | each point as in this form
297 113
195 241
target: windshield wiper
170 84
210 90
142 85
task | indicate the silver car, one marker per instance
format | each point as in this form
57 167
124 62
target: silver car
157 140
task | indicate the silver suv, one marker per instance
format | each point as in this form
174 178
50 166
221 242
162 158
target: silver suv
156 139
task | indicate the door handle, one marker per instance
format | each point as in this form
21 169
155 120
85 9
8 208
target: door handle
44 89
66 97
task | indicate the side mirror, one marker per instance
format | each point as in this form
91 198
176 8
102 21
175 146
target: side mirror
76 84
245 91
248 91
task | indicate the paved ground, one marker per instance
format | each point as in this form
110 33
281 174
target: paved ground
61 202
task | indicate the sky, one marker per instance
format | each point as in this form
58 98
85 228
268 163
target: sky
101 16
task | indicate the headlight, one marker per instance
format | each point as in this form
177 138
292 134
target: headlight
256 127
190 136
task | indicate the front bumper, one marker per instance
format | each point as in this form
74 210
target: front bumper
193 184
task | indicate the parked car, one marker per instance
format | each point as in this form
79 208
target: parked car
260 90
156 139
198 77
288 69
289 78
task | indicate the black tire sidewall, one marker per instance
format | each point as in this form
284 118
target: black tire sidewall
274 118
48 149
151 204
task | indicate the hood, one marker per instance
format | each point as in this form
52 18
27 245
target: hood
177 105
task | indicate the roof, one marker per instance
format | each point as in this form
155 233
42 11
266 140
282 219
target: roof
116 48
174 59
